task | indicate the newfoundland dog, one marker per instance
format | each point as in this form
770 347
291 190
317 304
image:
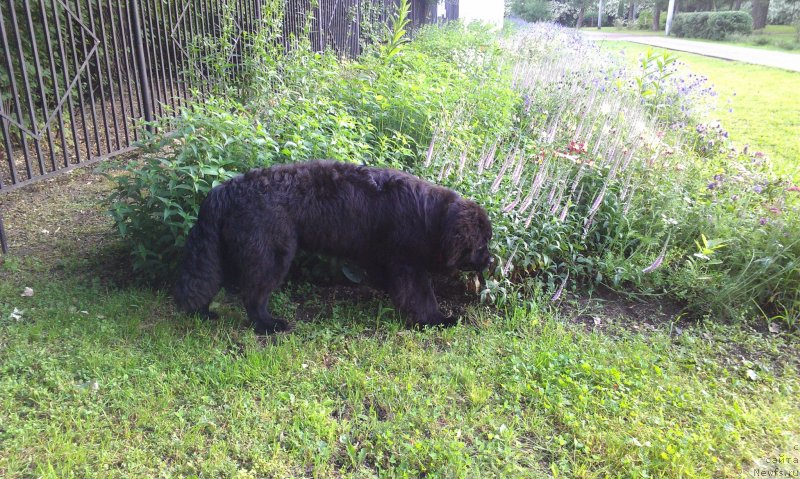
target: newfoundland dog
396 226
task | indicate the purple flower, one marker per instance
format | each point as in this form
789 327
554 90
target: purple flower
712 185
758 189
659 260
560 289
762 221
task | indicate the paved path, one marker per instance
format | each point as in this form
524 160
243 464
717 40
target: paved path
784 60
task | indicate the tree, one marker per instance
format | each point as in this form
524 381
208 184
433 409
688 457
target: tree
760 10
581 15
658 6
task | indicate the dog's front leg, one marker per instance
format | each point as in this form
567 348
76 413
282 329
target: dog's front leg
411 291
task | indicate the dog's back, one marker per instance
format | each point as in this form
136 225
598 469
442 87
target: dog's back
349 210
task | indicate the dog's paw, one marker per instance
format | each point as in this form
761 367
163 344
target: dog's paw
205 314
262 328
448 321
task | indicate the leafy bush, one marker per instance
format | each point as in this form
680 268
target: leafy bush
532 10
797 29
672 97
645 20
760 40
712 25
380 111
591 173
156 200
783 12
722 24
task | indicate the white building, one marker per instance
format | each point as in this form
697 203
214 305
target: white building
487 11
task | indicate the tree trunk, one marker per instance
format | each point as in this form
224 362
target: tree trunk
656 17
630 13
737 5
760 9
581 13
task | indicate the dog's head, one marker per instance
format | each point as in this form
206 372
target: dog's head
467 232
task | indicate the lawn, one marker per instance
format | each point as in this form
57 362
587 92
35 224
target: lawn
755 104
773 37
100 379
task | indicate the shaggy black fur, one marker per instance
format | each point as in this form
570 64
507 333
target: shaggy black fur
396 226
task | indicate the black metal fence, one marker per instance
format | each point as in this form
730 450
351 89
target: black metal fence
78 76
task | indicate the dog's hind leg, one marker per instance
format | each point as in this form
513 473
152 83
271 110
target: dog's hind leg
263 246
410 289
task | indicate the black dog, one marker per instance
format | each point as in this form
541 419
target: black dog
396 226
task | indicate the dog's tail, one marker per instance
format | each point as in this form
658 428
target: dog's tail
200 276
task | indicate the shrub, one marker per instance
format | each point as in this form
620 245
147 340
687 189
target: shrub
532 10
645 20
590 173
642 20
783 12
156 199
760 40
712 25
722 24
797 29
739 38
380 111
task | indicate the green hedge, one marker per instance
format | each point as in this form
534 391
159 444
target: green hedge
712 25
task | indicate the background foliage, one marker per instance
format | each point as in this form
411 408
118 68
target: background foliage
593 174
712 25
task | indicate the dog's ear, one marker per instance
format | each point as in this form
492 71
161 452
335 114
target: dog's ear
467 231
454 243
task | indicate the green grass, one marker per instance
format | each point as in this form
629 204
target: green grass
97 381
626 31
777 30
765 103
777 38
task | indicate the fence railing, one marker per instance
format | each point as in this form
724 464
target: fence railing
78 76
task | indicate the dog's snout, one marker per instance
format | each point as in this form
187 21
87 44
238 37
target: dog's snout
482 261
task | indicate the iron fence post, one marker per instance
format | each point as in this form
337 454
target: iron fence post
144 77
3 241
